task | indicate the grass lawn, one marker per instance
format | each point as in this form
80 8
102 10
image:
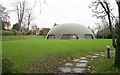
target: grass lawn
36 54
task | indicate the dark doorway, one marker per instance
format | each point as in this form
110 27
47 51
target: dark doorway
89 36
51 36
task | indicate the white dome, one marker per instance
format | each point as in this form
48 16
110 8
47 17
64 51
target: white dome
70 31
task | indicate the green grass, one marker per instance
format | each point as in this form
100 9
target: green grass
104 64
28 51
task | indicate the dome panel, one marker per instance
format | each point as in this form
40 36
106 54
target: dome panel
70 31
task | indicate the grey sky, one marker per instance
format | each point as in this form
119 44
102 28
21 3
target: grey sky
59 11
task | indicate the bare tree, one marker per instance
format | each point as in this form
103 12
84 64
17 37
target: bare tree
28 18
4 16
20 8
24 12
102 9
34 29
104 32
4 13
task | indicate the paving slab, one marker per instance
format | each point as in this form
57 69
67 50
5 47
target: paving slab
94 56
82 61
88 56
97 54
82 65
102 53
83 58
78 70
76 60
68 64
92 59
65 70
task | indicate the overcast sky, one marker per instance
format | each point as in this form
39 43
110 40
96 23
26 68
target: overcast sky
58 11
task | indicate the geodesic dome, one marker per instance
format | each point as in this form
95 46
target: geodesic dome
70 31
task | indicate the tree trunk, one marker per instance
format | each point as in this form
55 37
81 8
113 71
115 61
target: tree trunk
28 28
19 23
117 58
118 49
115 34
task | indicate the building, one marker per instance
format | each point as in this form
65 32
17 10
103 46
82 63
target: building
6 25
70 31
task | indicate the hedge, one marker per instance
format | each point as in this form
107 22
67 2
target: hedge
10 33
7 33
18 33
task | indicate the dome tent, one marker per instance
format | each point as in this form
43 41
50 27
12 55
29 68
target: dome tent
70 31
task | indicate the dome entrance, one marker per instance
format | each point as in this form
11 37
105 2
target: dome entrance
51 36
69 36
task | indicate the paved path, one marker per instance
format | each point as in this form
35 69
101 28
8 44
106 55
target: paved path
80 65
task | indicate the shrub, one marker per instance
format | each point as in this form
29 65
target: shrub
18 33
10 33
24 33
7 66
29 33
14 32
7 33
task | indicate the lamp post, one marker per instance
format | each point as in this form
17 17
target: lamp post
117 32
108 51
